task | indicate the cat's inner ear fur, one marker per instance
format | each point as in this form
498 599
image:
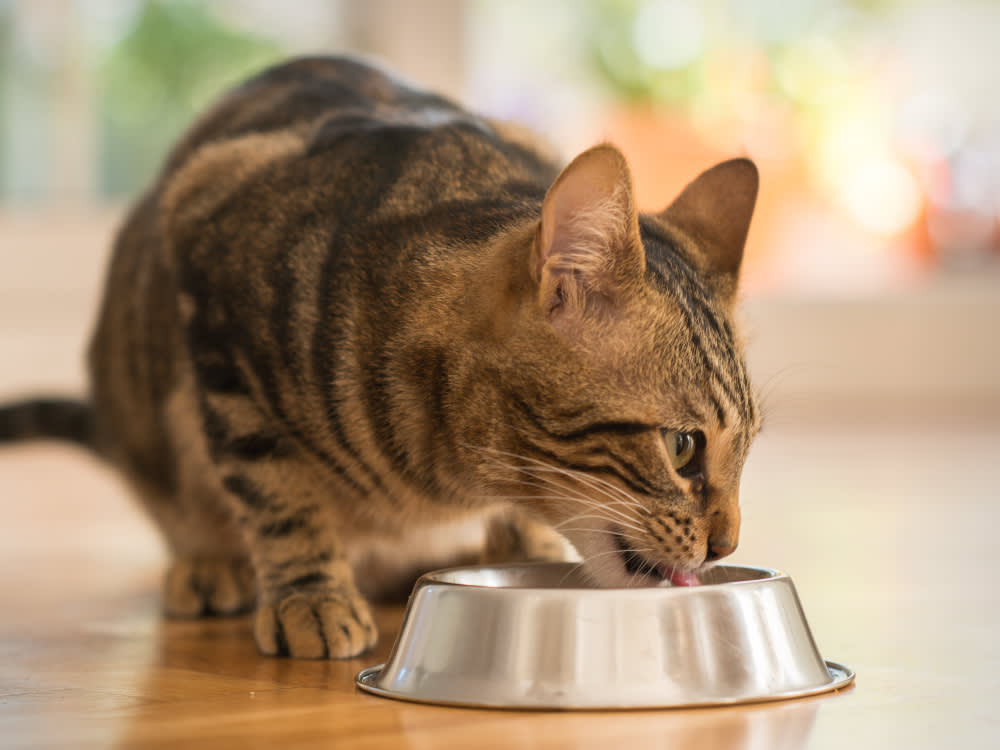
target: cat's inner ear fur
714 211
588 249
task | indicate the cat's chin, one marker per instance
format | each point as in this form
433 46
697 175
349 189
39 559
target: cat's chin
663 573
609 562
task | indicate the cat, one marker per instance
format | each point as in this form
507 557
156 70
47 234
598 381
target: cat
351 319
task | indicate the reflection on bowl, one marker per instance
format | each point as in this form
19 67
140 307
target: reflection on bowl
540 636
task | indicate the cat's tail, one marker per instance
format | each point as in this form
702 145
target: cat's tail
56 418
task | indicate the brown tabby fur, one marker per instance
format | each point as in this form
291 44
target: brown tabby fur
352 321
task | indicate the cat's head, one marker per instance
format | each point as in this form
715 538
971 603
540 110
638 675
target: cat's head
628 412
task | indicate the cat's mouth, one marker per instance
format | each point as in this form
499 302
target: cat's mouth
637 565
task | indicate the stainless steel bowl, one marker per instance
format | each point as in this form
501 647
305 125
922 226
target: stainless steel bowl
540 636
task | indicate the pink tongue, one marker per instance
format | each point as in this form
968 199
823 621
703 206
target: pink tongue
682 578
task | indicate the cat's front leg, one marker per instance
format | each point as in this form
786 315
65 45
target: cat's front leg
517 536
308 604
316 616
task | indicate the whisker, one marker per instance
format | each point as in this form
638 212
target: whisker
597 512
602 485
645 569
617 551
604 502
620 514
582 529
570 572
606 513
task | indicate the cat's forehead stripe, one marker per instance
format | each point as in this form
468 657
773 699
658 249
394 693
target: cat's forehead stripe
710 333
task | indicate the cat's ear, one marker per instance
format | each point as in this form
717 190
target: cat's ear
714 211
588 248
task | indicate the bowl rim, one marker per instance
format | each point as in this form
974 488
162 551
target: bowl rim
841 677
436 578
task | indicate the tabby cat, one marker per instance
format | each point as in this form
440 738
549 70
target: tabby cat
352 321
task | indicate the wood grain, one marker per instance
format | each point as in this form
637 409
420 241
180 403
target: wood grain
889 534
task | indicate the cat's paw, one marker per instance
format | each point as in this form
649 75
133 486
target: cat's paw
519 538
198 587
330 624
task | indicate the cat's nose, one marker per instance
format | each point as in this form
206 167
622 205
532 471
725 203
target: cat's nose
724 531
719 548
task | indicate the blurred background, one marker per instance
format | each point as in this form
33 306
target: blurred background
872 278
871 294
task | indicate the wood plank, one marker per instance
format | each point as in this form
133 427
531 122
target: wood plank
887 532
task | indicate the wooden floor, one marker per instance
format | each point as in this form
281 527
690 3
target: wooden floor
890 534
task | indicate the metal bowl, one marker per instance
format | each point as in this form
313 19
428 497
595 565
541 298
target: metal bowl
541 636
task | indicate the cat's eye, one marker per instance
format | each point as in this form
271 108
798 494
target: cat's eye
681 447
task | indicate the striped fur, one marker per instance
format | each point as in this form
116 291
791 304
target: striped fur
354 329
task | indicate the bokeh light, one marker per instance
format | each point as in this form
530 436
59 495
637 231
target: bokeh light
882 195
879 117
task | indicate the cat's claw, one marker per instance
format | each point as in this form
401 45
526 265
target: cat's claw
316 625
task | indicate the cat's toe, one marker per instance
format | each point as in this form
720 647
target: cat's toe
197 587
323 625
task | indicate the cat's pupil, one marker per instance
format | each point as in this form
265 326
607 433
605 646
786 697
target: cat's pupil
681 446
682 441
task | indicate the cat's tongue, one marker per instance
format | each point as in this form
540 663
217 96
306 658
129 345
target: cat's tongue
683 578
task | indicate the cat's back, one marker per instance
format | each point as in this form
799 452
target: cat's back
255 184
347 140
325 98
322 182
334 147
